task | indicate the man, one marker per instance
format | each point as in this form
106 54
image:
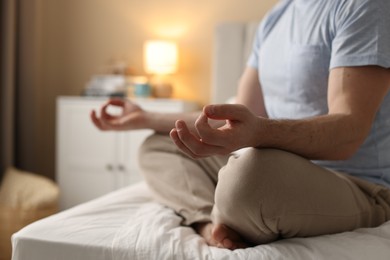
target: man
313 106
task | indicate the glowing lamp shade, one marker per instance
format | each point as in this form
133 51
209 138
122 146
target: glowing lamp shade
160 57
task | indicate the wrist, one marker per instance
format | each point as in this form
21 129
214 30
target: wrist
158 122
149 120
263 132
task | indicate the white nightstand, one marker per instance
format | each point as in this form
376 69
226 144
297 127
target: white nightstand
90 162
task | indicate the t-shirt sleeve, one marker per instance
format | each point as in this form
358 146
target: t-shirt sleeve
362 34
253 60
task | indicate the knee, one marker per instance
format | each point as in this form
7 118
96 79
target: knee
239 177
154 142
154 147
250 181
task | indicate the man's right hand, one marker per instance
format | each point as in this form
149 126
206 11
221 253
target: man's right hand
132 116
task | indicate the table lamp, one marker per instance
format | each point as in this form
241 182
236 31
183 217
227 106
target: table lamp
160 59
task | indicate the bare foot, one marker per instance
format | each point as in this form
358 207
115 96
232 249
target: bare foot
204 230
227 237
220 235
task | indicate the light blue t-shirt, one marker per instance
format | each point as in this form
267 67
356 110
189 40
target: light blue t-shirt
296 45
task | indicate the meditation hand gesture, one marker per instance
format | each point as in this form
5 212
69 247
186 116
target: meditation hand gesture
237 132
132 116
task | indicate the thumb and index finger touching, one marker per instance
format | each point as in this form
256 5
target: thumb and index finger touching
217 112
208 132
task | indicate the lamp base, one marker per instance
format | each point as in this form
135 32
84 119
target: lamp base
162 90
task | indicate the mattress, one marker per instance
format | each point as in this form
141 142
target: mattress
128 224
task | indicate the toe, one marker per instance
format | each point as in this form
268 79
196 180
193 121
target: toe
227 243
219 232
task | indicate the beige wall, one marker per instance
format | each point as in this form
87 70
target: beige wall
89 34
80 38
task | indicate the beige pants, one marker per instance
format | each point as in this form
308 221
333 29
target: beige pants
264 194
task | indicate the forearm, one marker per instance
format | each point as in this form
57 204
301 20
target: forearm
329 137
335 136
354 97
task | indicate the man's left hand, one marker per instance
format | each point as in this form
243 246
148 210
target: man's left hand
237 132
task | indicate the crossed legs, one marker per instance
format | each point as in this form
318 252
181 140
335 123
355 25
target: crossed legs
260 196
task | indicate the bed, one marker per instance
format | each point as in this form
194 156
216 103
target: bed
128 224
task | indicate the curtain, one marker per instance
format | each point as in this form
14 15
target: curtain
8 60
29 95
21 95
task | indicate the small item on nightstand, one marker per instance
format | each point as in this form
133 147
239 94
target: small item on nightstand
142 90
162 90
106 85
138 87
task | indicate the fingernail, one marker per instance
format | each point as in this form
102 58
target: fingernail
172 132
210 110
179 125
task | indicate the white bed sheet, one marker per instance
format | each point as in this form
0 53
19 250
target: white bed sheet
128 224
